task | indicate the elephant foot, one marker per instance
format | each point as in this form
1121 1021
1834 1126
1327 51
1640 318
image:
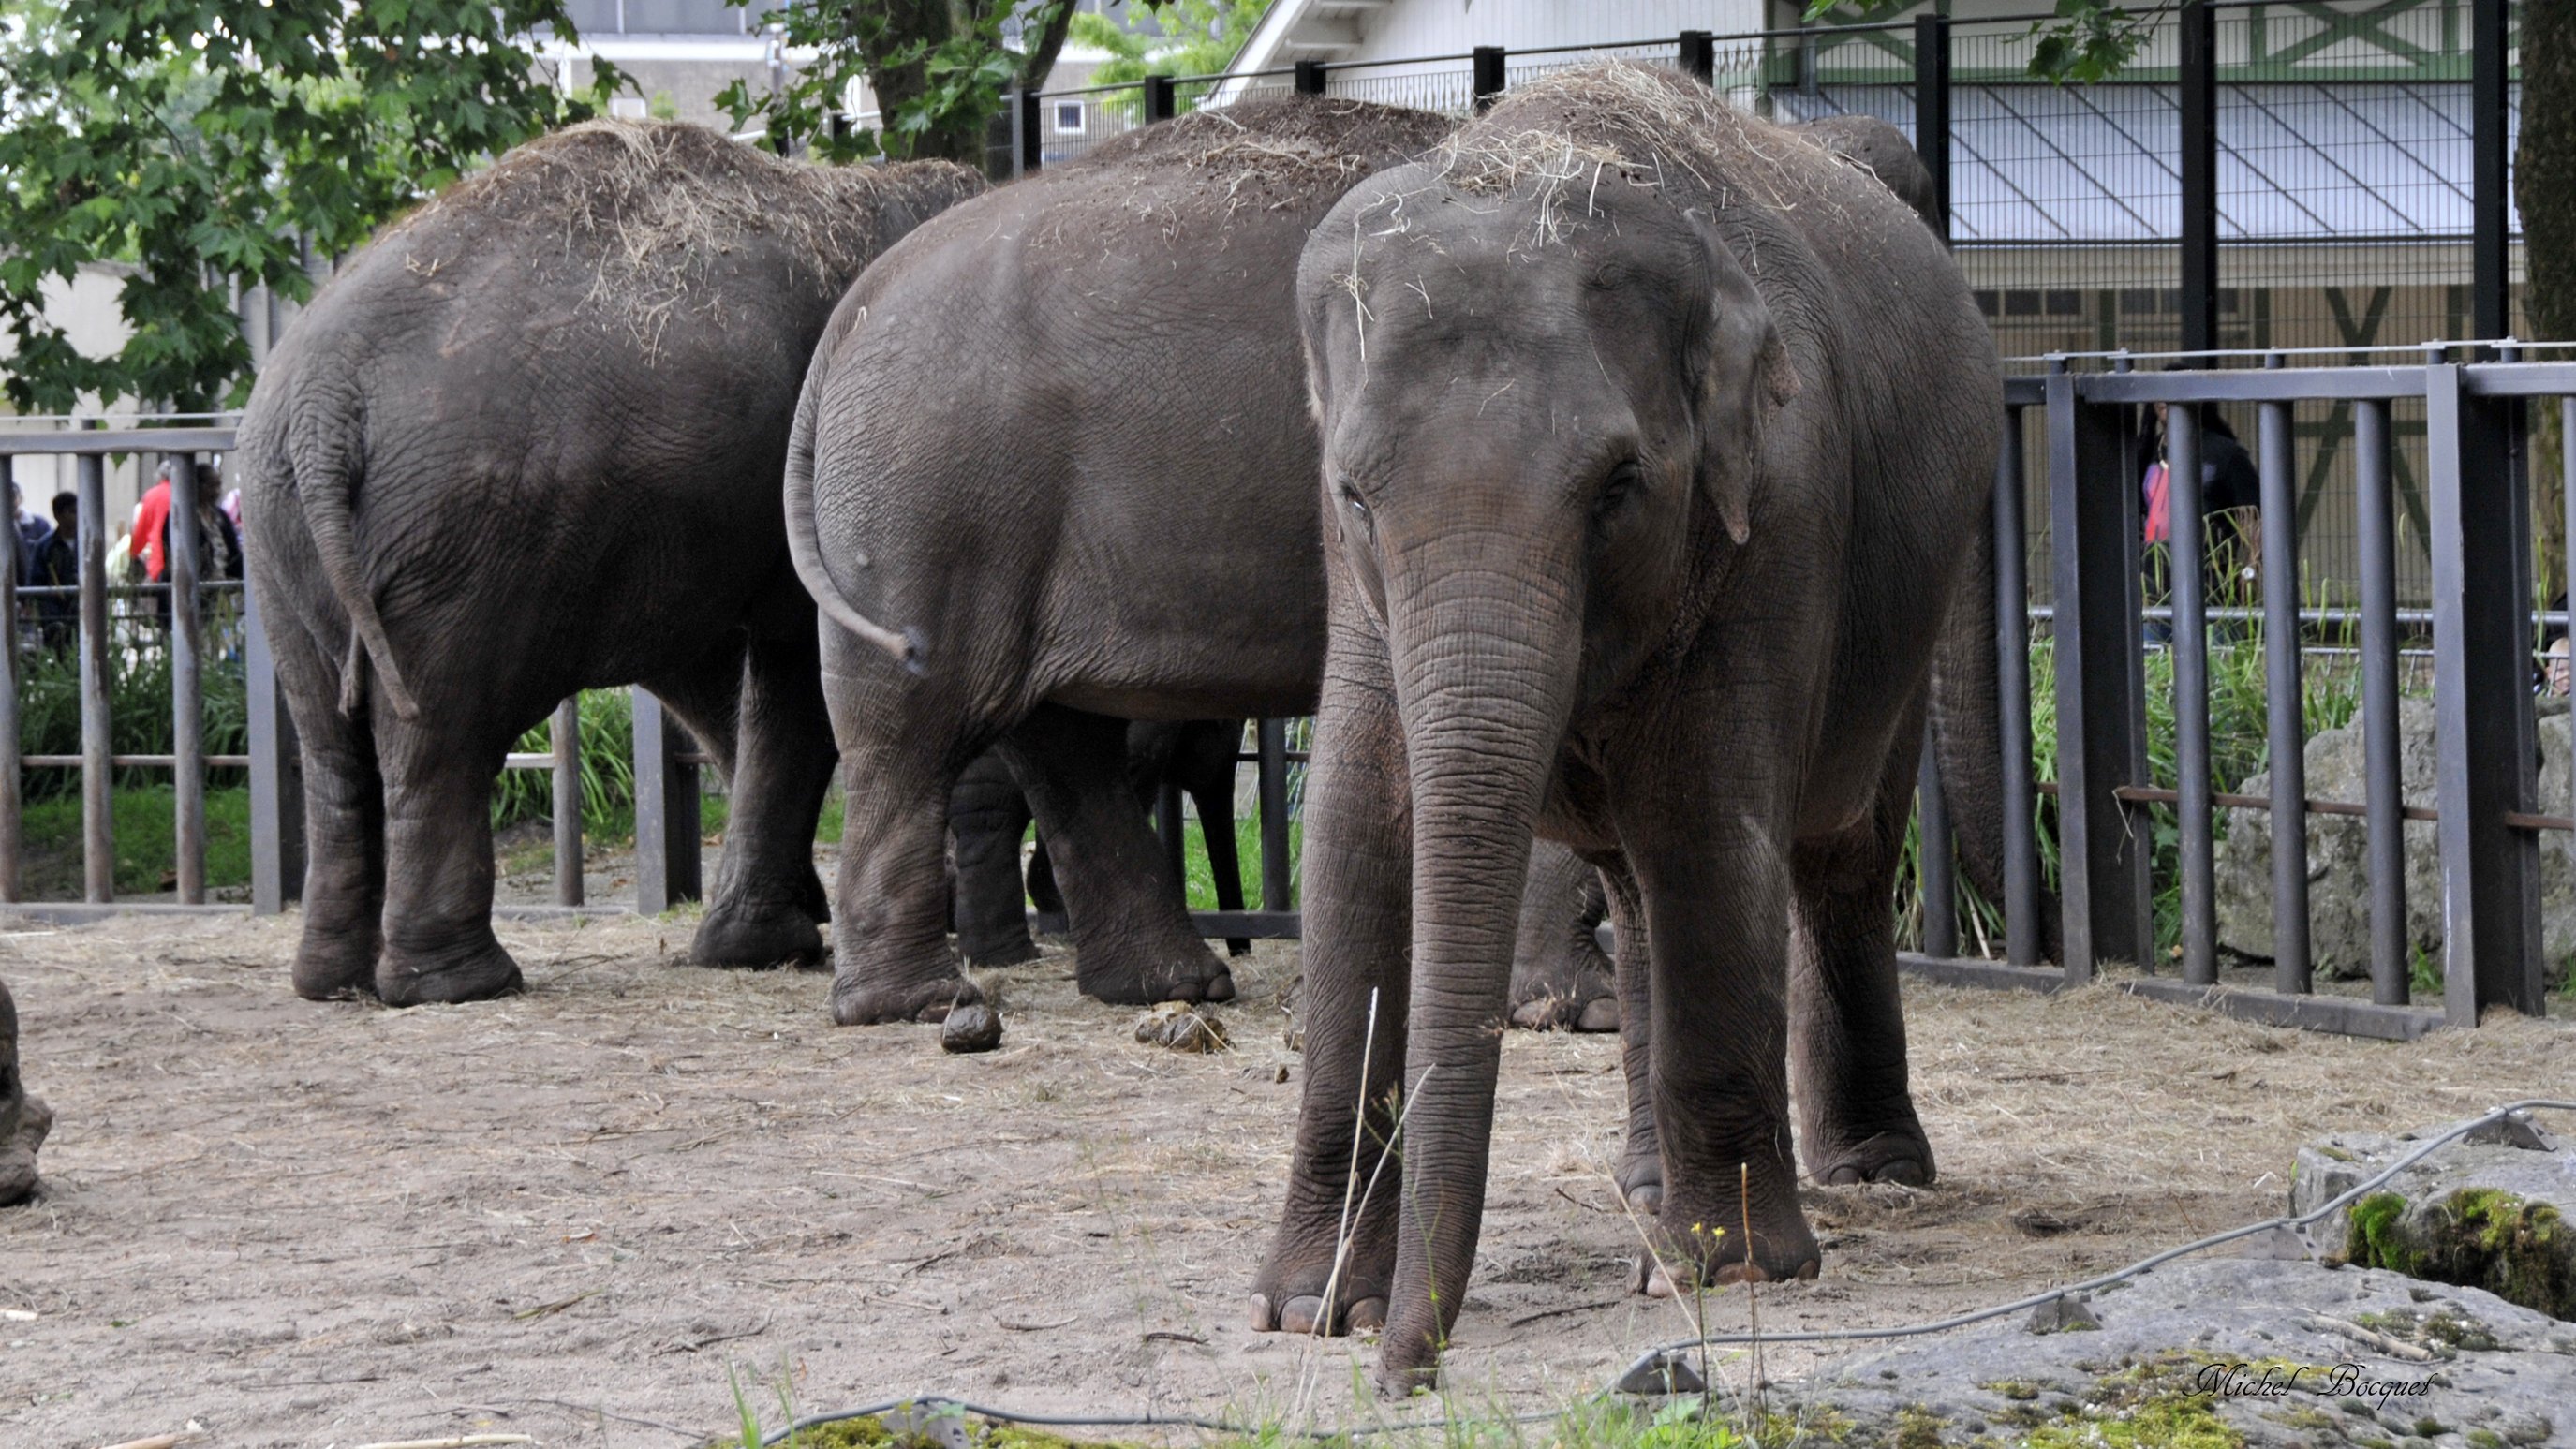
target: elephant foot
736 934
856 1002
1721 1237
1294 1302
1902 1155
476 972
1641 1184
1130 977
18 1153
1566 996
334 973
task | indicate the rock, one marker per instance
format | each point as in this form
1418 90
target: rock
2217 1351
1663 1375
2065 1313
2497 1214
974 1027
2339 852
1182 1027
24 1119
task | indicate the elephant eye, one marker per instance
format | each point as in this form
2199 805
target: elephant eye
1357 505
1624 480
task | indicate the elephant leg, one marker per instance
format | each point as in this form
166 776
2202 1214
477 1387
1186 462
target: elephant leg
1208 764
1043 894
1560 980
1712 872
1856 1112
1133 943
767 898
344 828
1332 1262
987 816
439 944
1640 1174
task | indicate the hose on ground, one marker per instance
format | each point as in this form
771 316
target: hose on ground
1648 1361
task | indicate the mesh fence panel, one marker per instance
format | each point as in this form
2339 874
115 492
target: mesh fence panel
1449 88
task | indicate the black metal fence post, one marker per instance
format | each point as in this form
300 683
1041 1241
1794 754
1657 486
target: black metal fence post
1169 827
2284 695
2383 744
187 692
1275 864
666 810
2483 733
11 803
2103 860
1027 137
1932 109
1490 74
2490 297
2012 688
98 762
1310 77
2196 56
276 773
1699 56
1161 101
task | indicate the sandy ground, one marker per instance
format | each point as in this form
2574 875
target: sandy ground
570 1213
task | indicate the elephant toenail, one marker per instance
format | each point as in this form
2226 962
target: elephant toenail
1220 987
1263 1318
1599 1014
1368 1315
1301 1314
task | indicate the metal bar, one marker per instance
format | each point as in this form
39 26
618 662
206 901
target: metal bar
187 691
276 774
1210 925
2287 384
2284 698
1699 56
2343 1015
98 820
2012 689
1028 136
1161 101
2100 854
2196 91
2197 846
1936 869
2135 826
2490 299
2382 746
94 442
567 801
1490 74
1167 826
2490 933
666 811
2158 795
1932 111
11 803
1310 78
131 762
1275 861
2567 538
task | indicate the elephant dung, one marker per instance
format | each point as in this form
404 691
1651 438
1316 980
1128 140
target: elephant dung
24 1119
1182 1027
973 1027
2496 1212
2339 851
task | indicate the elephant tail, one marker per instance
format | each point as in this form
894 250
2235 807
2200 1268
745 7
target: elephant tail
1967 733
805 540
325 479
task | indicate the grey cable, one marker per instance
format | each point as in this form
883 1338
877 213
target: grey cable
1648 1360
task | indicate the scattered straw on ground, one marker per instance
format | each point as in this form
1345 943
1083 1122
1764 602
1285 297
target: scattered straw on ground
568 1213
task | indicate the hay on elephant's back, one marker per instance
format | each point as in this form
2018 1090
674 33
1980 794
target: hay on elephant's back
1271 151
646 207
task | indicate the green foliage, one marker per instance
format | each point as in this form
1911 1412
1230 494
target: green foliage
2083 42
607 770
938 71
138 708
1201 38
199 141
1201 878
145 819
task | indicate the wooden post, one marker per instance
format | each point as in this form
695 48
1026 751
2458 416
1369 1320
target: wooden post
276 773
567 802
98 764
666 810
187 694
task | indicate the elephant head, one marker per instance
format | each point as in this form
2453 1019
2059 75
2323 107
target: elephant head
1543 388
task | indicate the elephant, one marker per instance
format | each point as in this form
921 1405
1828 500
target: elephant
1654 438
24 1118
1095 507
988 813
528 442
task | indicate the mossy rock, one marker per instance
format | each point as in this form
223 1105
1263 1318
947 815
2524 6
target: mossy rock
2521 1251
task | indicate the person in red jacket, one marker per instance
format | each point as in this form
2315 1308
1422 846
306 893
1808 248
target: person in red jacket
151 520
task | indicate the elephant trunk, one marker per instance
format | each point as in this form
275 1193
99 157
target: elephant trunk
1485 660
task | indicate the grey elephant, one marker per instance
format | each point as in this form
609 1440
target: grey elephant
1654 438
528 442
24 1117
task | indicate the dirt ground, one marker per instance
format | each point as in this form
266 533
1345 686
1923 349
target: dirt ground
570 1213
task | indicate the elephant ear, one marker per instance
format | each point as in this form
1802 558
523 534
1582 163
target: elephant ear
1741 376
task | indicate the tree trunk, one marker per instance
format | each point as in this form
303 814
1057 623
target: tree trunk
2544 188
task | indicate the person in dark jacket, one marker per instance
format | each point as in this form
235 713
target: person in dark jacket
57 565
2231 501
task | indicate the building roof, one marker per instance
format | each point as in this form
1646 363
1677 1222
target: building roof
2057 164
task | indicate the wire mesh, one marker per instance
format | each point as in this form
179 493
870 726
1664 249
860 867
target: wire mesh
1449 88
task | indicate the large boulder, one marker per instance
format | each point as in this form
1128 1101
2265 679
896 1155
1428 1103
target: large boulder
2212 1352
2339 851
24 1120
2497 1211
